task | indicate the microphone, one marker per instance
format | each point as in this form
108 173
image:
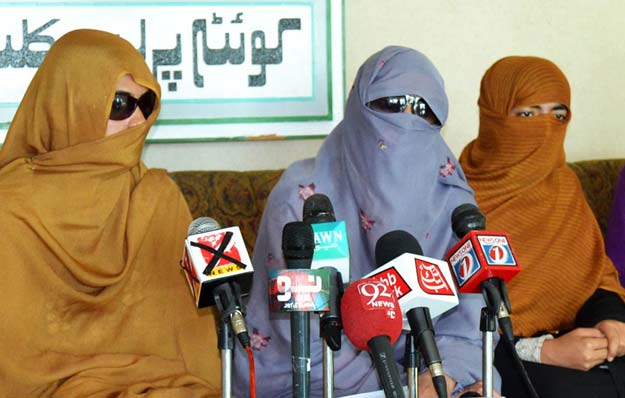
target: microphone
219 271
331 245
483 261
331 253
395 245
297 248
372 322
416 280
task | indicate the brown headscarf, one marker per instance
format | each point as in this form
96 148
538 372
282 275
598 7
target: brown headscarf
93 300
518 170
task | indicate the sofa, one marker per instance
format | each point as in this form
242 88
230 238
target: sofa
239 197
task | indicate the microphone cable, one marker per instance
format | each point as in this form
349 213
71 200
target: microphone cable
519 365
250 358
496 298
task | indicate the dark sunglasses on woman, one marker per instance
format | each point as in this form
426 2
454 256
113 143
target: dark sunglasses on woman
124 105
399 103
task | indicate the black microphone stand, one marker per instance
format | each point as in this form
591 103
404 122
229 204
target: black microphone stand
494 299
225 343
422 328
497 306
411 359
330 327
488 327
227 298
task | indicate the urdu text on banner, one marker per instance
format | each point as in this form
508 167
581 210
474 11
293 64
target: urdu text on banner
228 70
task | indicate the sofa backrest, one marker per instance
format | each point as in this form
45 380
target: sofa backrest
598 179
239 197
232 198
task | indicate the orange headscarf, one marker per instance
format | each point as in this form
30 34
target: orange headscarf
93 300
517 167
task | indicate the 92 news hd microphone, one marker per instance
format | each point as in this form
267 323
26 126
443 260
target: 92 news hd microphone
217 266
372 322
390 246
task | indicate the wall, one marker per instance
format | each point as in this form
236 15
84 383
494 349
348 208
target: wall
463 38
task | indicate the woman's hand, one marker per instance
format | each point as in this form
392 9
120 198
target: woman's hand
426 387
614 331
477 387
581 349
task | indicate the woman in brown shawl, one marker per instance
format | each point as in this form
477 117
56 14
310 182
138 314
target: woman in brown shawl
568 288
93 301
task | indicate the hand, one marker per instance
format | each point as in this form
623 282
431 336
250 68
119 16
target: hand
477 387
581 349
426 387
614 331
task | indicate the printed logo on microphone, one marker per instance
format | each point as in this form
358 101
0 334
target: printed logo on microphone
222 242
299 290
192 279
464 263
431 279
330 240
376 296
393 279
497 250
466 267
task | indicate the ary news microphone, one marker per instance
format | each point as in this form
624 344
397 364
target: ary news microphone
218 271
483 261
331 253
372 322
435 282
298 289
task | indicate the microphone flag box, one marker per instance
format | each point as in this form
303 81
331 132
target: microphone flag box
299 290
211 258
418 281
331 247
481 255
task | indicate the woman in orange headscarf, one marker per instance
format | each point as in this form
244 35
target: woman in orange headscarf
93 300
568 288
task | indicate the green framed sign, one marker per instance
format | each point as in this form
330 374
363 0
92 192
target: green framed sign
229 70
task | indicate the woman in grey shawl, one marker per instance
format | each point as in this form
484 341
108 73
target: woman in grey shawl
384 168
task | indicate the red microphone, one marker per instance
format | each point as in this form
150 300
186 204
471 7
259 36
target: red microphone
480 254
372 321
483 261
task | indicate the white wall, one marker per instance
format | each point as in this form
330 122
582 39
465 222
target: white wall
463 38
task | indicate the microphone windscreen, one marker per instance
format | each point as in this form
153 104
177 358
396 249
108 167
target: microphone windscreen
466 218
202 225
298 241
317 209
393 244
370 309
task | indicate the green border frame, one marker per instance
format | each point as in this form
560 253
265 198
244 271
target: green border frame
185 122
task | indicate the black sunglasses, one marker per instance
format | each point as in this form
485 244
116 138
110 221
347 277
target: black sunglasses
124 105
399 103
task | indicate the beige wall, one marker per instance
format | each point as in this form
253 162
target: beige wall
585 38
